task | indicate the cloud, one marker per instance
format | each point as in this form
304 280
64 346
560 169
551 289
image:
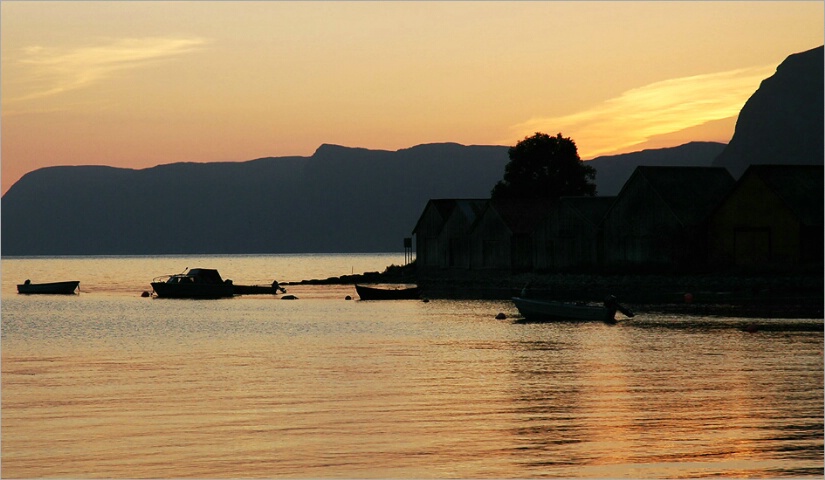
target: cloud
657 109
44 72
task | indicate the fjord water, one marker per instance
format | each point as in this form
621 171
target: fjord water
109 384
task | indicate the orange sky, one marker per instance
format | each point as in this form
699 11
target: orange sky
137 84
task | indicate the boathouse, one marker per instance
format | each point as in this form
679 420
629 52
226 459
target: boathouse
429 253
455 235
772 219
570 237
443 232
501 237
658 222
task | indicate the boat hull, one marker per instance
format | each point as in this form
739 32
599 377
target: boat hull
256 290
548 310
371 293
54 288
192 290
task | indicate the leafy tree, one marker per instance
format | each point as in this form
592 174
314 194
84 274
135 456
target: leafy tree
545 167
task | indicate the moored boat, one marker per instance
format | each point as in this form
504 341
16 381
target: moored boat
54 288
194 283
273 289
375 293
552 310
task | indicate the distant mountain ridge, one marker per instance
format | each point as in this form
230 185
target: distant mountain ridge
340 199
612 171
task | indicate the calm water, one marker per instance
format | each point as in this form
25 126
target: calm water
109 384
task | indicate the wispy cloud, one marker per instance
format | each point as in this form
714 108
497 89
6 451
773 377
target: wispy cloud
41 71
656 109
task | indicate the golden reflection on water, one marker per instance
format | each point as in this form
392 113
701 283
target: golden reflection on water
123 387
393 407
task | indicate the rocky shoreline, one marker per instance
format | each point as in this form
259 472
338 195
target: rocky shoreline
783 295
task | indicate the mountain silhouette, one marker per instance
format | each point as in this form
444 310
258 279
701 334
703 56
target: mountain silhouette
338 200
782 122
344 199
612 171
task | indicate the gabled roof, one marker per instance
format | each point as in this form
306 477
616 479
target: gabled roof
691 193
445 206
799 186
470 208
591 209
521 216
442 206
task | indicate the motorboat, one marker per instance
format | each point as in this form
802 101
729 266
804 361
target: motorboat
207 283
193 283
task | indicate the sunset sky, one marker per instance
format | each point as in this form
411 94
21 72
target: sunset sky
138 84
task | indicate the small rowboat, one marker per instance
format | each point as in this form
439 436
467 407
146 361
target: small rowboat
54 288
373 293
551 310
273 289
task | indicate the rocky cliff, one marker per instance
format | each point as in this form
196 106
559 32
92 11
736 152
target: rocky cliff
782 122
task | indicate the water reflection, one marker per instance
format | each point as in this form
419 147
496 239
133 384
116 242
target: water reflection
591 396
321 387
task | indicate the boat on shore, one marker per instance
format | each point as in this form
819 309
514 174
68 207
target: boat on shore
53 288
375 293
553 310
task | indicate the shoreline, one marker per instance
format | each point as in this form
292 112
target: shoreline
780 295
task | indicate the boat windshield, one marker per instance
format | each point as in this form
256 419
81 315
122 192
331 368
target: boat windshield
205 275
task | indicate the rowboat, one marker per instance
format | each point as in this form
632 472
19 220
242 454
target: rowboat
552 310
273 289
374 293
54 288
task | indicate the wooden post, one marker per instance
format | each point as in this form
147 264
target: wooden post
408 255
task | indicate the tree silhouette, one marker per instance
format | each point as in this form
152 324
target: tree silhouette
545 167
